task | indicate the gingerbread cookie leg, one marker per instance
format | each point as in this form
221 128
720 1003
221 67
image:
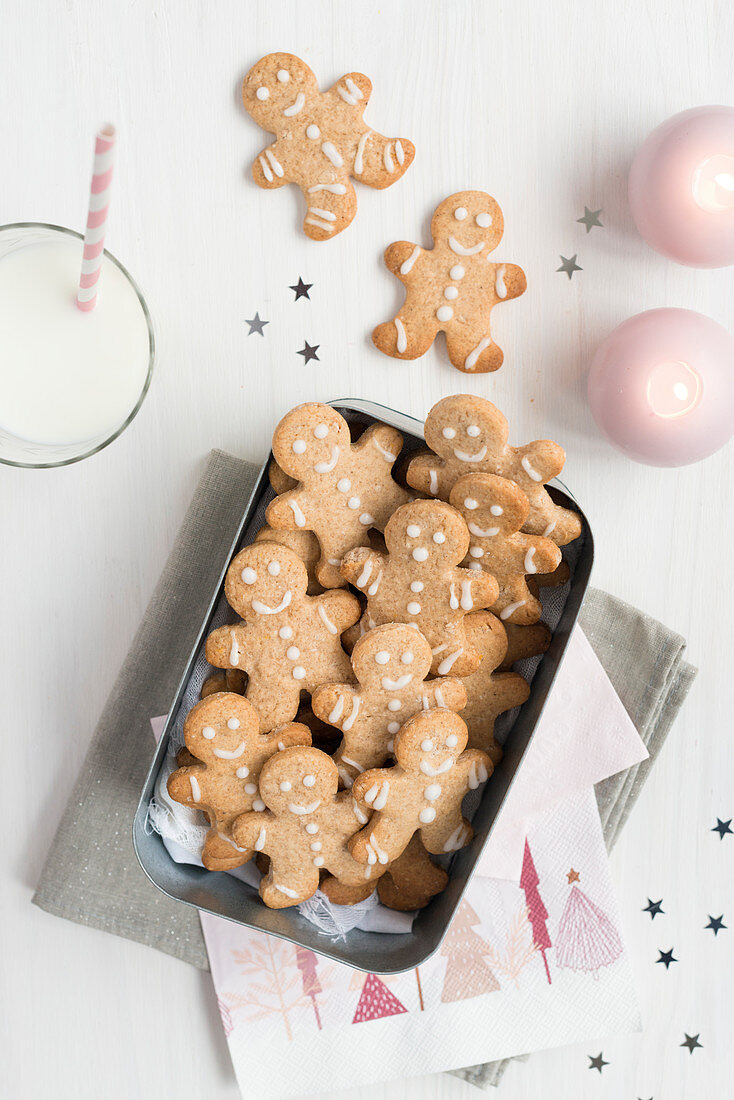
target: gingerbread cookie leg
403 337
330 207
472 350
412 880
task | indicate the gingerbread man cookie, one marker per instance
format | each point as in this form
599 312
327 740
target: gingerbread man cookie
305 828
452 287
489 693
390 663
423 792
321 140
418 581
494 510
222 732
344 488
412 880
289 642
468 434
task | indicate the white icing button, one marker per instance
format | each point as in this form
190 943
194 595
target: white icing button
353 503
496 510
312 827
298 446
390 746
248 574
393 727
452 740
476 552
432 792
451 292
439 537
299 672
251 788
414 608
273 568
473 431
233 723
457 272
321 430
470 503
407 658
474 565
460 213
285 632
427 746
344 485
258 805
316 846
416 586
394 704
413 530
427 815
309 780
285 785
293 653
448 433
382 657
242 773
420 553
444 313
366 519
313 132
208 732
262 93
283 76
484 220
318 861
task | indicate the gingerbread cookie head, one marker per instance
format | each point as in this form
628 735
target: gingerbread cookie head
222 727
309 441
430 534
391 657
264 579
298 782
491 506
465 430
430 747
469 223
276 85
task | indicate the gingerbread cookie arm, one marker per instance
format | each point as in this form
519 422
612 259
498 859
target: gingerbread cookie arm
355 90
483 588
400 258
267 170
510 281
184 786
360 566
228 647
293 733
337 610
289 511
335 704
384 837
445 691
428 474
385 440
381 161
525 641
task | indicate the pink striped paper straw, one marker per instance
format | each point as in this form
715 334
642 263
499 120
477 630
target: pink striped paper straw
99 205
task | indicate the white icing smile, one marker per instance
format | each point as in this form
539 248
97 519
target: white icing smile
446 766
460 250
483 533
263 609
464 456
396 685
294 809
327 467
225 754
296 107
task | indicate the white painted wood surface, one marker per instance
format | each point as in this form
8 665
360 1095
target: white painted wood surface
542 105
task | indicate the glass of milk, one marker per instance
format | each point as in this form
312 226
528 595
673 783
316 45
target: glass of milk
70 382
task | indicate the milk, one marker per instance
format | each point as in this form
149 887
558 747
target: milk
65 376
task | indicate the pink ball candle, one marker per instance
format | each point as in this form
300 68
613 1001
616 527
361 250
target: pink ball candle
661 387
681 187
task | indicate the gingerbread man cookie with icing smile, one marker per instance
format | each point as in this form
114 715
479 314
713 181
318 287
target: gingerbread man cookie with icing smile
468 434
289 642
321 140
452 287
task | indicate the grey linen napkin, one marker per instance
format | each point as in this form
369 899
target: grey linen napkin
91 875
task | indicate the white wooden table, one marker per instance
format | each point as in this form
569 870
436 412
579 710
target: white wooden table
543 106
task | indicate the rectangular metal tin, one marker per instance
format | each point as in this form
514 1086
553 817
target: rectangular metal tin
379 952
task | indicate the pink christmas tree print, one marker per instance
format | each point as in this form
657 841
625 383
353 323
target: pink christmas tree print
537 912
467 974
587 939
518 949
274 985
307 962
376 1001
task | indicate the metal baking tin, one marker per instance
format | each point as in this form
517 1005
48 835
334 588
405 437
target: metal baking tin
379 952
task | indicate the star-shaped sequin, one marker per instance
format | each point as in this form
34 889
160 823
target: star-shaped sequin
301 289
653 908
666 957
569 265
598 1062
572 876
590 219
691 1041
256 324
308 351
722 828
715 924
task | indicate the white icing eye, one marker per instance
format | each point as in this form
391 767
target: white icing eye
299 673
407 657
460 213
426 746
285 632
448 433
285 785
473 431
262 93
248 574
273 568
413 608
233 723
344 485
413 531
416 586
471 504
208 732
298 446
452 740
321 431
394 704
420 553
251 788
393 727
242 773
483 220
439 537
457 272
293 653
496 510
382 657
309 780
283 76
